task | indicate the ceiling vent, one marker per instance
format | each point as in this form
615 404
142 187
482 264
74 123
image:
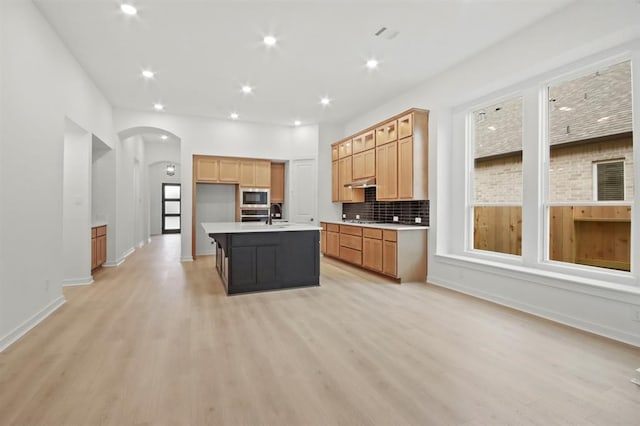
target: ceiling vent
386 33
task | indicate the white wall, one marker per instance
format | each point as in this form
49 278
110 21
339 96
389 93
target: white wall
103 193
216 203
328 134
582 29
219 137
131 207
41 84
76 207
158 176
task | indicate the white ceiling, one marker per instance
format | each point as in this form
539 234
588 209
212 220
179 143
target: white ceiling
203 51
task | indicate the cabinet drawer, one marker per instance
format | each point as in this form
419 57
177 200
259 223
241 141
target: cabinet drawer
351 230
351 255
372 233
351 241
332 227
94 232
101 230
390 235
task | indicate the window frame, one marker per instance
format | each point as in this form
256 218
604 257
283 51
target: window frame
470 171
596 180
574 72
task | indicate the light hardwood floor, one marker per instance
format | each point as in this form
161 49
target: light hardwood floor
156 341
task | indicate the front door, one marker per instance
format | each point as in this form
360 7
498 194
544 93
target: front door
171 208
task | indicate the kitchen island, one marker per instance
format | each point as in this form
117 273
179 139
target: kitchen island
254 256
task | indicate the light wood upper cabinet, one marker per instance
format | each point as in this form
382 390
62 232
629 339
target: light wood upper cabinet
405 126
388 132
405 168
387 171
335 181
255 173
364 164
345 176
364 141
399 161
262 173
229 170
345 149
277 182
207 169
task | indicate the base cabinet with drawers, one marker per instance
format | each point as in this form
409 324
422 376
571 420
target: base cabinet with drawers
399 253
98 246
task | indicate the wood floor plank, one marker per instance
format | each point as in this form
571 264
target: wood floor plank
156 341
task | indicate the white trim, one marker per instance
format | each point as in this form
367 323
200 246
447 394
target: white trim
186 259
141 244
77 281
120 260
540 311
594 287
30 323
207 253
128 253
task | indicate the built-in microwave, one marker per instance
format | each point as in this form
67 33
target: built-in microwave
254 198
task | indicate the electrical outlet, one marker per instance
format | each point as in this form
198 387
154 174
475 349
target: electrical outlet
418 220
357 217
396 218
344 216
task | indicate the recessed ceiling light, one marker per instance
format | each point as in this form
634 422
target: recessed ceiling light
372 64
164 137
297 123
127 9
492 128
269 40
246 89
158 107
234 116
325 101
148 74
565 109
600 120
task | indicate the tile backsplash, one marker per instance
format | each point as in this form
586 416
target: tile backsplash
384 211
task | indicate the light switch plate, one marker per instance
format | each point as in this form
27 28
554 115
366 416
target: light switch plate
396 219
357 216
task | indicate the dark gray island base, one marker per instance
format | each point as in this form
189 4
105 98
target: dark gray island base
259 261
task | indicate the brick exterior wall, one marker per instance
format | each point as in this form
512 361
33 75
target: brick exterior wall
570 173
571 169
499 180
581 104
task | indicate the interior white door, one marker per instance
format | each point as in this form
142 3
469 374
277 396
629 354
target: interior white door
304 191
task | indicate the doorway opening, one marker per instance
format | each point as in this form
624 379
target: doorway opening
171 208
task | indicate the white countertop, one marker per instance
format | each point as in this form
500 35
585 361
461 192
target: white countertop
390 226
242 227
97 224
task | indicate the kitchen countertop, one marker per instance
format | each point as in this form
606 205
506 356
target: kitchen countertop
97 224
390 226
245 227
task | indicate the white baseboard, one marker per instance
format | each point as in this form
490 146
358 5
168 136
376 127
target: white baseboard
77 281
207 253
26 326
186 259
120 260
539 311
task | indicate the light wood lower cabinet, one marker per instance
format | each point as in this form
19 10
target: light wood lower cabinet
372 254
98 246
398 254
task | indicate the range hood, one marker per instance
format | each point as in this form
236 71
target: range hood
364 183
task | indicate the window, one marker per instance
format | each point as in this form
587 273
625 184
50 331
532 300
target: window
170 208
590 144
496 131
608 179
